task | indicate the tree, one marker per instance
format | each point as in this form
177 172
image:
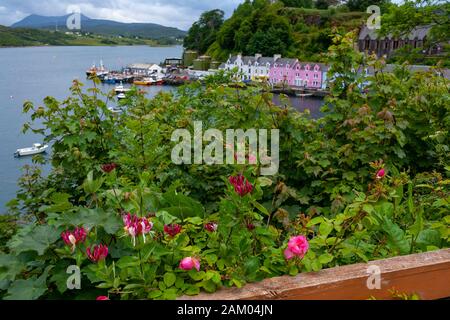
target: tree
204 31
324 4
362 5
298 3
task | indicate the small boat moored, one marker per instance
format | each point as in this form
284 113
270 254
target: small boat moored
121 89
121 96
35 149
144 82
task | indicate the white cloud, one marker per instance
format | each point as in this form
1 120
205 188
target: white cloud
176 13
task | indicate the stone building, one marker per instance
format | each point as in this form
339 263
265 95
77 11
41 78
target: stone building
369 41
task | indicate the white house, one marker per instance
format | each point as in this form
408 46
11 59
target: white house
145 69
250 67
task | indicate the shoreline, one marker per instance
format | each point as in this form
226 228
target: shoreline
95 45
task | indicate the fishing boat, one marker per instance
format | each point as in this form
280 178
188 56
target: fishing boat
159 81
94 71
144 82
121 89
35 149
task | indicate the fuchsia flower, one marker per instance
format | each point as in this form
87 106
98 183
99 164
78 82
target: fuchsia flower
381 173
188 263
135 226
241 185
211 226
108 167
97 252
72 238
172 229
297 246
102 298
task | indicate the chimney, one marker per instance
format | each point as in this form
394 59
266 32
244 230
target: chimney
276 57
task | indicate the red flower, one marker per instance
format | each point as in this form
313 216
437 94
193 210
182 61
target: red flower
135 226
108 167
381 173
241 185
97 252
172 229
250 226
72 238
102 298
211 226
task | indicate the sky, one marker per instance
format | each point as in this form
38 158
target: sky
172 13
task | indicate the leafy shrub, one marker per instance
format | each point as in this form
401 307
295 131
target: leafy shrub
367 181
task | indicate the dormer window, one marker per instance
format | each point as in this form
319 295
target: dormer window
287 66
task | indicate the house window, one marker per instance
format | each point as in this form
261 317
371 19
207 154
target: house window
306 75
316 76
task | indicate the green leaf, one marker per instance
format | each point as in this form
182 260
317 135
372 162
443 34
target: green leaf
316 265
127 261
90 218
260 207
154 294
30 289
35 238
325 228
325 258
192 290
169 279
182 206
315 221
264 181
91 185
396 236
429 237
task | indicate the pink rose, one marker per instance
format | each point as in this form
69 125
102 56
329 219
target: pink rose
297 246
188 263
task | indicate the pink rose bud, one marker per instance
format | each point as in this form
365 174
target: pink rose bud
188 263
381 173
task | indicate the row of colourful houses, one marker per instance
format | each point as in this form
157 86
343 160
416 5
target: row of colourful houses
278 70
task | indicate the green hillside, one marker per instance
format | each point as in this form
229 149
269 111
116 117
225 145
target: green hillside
269 28
21 37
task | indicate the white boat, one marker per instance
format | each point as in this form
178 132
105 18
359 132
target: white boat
120 89
121 96
115 109
35 149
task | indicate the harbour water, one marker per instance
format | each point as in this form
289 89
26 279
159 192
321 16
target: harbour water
36 72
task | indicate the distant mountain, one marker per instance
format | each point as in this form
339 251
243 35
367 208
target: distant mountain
104 27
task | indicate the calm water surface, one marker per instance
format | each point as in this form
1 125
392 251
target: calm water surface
37 72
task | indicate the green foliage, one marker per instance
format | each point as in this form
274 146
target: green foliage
288 28
204 31
327 187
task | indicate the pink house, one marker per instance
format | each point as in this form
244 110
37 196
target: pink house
297 74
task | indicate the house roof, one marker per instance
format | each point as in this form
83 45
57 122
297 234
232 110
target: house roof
419 32
281 62
142 65
414 68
